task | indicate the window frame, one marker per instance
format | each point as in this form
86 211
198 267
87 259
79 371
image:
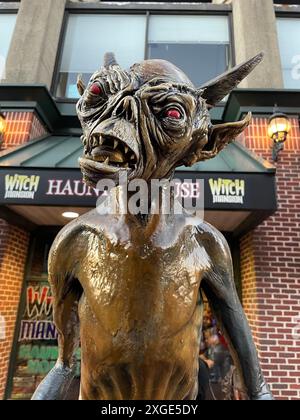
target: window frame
283 11
9 9
286 14
140 9
230 30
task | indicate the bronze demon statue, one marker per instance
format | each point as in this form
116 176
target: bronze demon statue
127 287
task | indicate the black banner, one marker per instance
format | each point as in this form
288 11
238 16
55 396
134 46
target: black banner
51 187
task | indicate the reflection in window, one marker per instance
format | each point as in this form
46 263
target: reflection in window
7 24
289 35
199 45
89 37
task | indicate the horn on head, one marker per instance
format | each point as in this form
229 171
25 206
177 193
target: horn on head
109 60
80 84
218 88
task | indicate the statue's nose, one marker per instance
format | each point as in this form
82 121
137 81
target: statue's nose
117 129
126 109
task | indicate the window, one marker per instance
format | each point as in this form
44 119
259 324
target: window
33 358
7 24
89 37
289 35
198 44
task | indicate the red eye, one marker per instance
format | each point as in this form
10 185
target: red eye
173 113
95 89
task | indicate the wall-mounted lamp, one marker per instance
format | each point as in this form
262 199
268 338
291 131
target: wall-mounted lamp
2 126
278 130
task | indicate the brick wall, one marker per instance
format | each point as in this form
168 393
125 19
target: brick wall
13 253
248 276
21 127
270 260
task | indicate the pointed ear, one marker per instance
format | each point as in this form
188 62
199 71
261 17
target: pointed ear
80 85
223 134
217 89
219 137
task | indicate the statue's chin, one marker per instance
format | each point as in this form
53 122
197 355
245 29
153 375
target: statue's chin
94 171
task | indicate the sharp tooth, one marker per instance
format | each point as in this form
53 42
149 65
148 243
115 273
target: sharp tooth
132 157
115 144
126 166
95 141
126 149
106 162
101 140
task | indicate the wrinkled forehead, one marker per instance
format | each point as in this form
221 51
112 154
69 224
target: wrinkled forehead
159 73
151 69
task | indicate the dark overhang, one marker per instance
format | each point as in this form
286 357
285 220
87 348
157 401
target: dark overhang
261 102
41 177
55 116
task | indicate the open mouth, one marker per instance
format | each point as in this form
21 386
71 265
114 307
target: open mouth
107 155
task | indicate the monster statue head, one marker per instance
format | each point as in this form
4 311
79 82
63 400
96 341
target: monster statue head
151 119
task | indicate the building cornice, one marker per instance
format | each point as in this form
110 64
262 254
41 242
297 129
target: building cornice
149 6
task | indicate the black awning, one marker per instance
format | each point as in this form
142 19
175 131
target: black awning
45 173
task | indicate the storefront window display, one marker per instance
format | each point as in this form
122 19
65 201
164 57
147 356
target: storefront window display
36 348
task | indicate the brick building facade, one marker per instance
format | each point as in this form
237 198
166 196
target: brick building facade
270 261
21 127
14 244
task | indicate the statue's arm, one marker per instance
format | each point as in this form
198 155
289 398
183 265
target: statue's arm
218 285
66 291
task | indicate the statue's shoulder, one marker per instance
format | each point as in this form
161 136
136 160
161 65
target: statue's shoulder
208 231
73 237
213 241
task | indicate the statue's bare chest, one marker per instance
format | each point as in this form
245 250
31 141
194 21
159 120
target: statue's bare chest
134 281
